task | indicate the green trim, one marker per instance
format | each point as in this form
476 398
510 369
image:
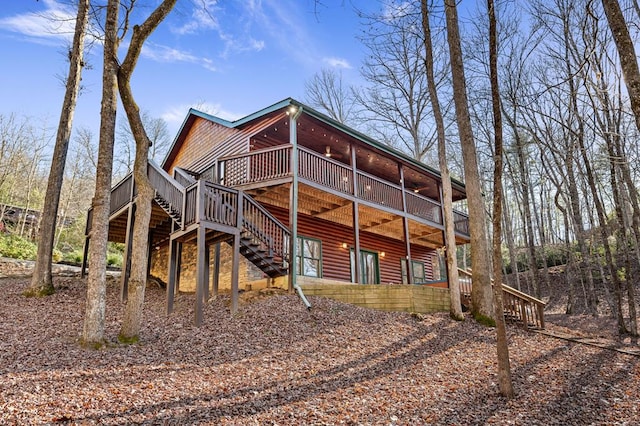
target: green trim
416 280
302 239
361 264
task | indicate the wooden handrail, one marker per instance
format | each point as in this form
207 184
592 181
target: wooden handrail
519 306
273 163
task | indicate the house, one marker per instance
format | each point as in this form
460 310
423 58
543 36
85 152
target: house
229 196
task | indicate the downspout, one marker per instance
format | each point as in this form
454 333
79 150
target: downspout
294 113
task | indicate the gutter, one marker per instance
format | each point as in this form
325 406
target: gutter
298 290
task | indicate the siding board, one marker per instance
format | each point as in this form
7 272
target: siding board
335 259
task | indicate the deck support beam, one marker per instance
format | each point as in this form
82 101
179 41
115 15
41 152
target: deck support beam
174 272
293 197
216 275
85 257
356 220
405 227
201 278
126 260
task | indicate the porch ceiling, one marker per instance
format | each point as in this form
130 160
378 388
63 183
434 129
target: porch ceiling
327 140
331 207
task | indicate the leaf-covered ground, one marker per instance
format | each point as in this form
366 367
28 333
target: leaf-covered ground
275 363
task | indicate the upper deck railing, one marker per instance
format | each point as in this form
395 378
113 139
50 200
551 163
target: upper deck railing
275 163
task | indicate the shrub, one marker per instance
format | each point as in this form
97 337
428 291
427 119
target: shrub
16 247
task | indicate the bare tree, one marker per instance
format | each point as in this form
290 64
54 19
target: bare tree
504 368
326 91
41 282
631 72
397 103
455 308
93 330
481 295
132 321
158 133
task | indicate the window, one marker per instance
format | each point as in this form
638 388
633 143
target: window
417 271
309 257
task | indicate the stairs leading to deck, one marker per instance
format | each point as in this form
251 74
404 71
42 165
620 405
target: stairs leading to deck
261 257
262 235
188 202
519 307
172 211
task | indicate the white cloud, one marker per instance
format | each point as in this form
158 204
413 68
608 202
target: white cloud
203 17
175 115
160 53
337 63
55 21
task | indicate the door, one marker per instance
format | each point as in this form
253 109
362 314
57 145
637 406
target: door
369 267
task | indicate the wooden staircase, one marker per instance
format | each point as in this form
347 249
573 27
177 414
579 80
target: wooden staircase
519 307
189 202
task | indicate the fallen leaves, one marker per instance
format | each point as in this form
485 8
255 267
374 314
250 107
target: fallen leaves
276 363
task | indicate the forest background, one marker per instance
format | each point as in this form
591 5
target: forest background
571 143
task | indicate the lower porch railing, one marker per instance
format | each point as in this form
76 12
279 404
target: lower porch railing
275 163
518 306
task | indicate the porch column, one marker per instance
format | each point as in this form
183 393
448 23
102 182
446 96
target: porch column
405 226
444 234
126 260
174 254
294 113
216 275
356 219
201 278
207 270
235 268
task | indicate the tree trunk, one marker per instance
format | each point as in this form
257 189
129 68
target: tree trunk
455 308
481 295
506 217
93 331
132 321
41 282
527 216
631 72
504 368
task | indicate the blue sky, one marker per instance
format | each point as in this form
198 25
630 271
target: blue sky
242 56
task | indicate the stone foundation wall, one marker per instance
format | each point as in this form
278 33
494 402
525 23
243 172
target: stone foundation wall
250 277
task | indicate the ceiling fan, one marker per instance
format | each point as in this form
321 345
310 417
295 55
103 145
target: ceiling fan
331 154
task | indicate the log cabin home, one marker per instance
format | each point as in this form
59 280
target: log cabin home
230 196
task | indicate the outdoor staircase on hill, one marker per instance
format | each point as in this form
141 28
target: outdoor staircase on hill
189 202
519 307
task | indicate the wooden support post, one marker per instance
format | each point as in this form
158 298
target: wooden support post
126 260
235 269
149 251
200 276
293 197
173 271
178 265
207 260
85 258
356 240
216 275
405 226
356 220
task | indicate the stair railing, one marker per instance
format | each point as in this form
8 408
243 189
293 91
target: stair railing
169 190
264 228
184 177
518 306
